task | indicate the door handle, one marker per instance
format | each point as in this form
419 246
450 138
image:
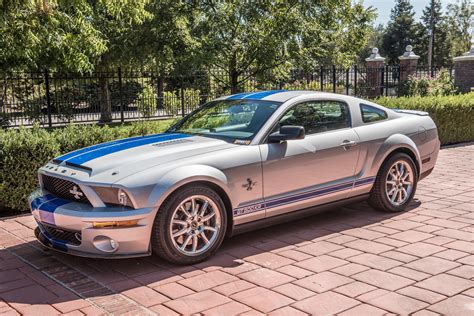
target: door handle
348 143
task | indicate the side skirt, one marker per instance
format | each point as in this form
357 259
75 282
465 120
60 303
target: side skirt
282 218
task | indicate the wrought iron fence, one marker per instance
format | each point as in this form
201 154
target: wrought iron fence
55 98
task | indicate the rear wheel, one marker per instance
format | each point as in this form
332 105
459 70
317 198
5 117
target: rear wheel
190 225
395 184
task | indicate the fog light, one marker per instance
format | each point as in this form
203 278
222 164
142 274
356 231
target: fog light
113 244
105 244
114 224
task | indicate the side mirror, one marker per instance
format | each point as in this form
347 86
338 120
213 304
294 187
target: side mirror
288 132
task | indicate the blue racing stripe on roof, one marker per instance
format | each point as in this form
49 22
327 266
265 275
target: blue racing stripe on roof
100 152
238 96
262 94
258 95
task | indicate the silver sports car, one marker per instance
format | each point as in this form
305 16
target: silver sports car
240 162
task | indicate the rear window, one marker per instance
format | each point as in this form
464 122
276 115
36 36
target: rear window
372 114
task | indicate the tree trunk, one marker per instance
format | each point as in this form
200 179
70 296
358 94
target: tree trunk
234 79
104 98
233 75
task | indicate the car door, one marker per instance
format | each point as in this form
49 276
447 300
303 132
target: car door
315 170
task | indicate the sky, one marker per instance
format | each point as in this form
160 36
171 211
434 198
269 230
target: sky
384 6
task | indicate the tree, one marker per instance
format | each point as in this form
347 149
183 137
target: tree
459 18
441 45
39 34
375 40
70 35
400 31
251 38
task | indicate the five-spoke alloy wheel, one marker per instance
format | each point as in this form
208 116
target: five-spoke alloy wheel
190 225
395 184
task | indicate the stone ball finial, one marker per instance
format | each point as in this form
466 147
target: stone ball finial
375 55
408 54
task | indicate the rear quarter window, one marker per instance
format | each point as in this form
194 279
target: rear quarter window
372 114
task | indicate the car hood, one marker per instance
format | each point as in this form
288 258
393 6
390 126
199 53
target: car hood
124 157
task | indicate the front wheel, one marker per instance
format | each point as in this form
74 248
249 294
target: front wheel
395 184
190 226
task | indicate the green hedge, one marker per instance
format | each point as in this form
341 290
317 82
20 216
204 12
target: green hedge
453 114
24 150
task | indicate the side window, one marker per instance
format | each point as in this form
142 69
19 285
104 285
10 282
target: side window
317 116
372 114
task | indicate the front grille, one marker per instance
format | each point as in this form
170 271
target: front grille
68 236
63 188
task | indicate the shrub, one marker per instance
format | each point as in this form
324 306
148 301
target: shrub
147 101
24 150
440 85
314 85
453 114
172 100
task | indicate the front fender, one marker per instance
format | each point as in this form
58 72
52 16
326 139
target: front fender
180 176
393 143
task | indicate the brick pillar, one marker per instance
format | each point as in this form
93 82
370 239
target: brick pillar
464 70
375 71
408 63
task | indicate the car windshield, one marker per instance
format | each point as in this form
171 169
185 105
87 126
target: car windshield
234 120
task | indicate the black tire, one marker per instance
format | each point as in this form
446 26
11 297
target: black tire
161 240
378 196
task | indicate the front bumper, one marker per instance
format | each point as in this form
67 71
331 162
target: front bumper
74 221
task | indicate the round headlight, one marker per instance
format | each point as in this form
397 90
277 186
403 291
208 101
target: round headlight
122 197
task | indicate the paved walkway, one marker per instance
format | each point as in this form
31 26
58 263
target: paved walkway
350 261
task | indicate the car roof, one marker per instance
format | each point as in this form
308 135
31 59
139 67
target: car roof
269 95
280 95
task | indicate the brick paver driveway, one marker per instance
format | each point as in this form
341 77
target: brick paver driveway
352 260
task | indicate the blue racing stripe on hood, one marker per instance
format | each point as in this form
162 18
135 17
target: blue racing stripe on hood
103 151
97 146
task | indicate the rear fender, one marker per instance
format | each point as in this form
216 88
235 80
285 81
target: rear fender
393 143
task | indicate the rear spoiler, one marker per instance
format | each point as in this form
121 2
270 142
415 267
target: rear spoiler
414 112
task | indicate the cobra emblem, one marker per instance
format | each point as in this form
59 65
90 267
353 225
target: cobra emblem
75 191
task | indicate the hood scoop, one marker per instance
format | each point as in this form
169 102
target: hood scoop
172 142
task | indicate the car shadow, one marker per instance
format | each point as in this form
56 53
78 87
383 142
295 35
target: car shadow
237 255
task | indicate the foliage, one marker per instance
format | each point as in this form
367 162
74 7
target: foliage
147 101
71 97
69 35
400 31
453 114
459 18
441 85
252 38
441 45
313 85
23 151
376 35
172 101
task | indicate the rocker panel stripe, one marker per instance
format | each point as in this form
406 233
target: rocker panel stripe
293 198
